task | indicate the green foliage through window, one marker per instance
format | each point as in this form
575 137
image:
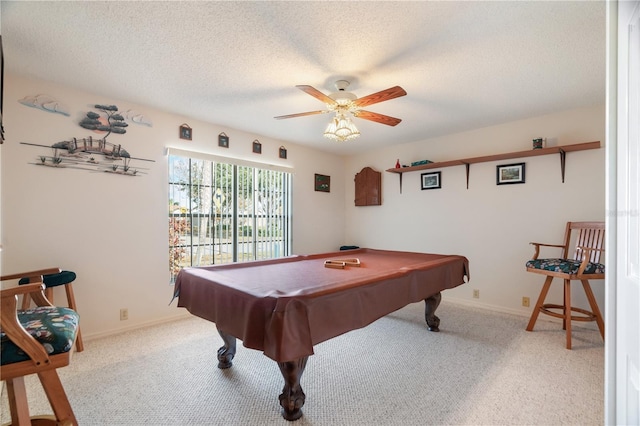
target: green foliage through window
223 213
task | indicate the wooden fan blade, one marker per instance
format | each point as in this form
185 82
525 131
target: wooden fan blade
385 95
301 114
378 118
316 94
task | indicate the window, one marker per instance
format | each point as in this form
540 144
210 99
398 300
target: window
221 212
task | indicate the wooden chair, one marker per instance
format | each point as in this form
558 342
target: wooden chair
53 277
31 344
577 262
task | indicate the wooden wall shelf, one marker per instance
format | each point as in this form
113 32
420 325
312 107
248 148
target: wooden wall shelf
562 150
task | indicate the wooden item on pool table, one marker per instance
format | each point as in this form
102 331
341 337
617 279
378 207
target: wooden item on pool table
341 263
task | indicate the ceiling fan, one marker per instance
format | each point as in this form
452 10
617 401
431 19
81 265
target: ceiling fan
343 102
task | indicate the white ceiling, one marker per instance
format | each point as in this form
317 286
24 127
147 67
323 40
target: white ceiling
464 65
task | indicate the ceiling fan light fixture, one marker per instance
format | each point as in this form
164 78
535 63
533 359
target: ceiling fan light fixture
345 104
342 129
343 98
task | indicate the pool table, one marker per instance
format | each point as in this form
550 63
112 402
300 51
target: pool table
285 306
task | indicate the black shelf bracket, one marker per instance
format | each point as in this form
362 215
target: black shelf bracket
467 166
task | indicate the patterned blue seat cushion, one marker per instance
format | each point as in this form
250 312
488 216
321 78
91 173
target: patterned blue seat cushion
567 266
54 327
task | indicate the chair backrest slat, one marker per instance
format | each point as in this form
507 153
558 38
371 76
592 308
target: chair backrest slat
591 235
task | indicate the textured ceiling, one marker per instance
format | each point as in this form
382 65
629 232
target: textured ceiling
464 65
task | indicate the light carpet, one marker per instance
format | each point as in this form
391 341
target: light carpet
483 368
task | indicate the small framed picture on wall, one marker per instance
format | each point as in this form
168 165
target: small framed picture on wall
322 183
186 132
223 140
431 180
510 173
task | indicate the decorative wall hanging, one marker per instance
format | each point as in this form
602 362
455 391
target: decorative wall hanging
114 123
322 183
368 188
430 180
90 154
257 147
538 143
186 132
137 118
510 173
45 103
223 140
282 152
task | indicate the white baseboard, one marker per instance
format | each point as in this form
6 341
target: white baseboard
454 300
518 312
493 308
93 336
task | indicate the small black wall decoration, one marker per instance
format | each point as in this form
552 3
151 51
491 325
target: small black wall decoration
257 147
223 140
186 132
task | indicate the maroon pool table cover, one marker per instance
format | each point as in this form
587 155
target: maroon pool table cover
285 306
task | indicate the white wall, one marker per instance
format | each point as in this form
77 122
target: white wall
112 230
491 225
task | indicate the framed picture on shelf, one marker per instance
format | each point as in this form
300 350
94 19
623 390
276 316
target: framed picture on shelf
223 140
257 147
322 183
510 173
430 180
186 132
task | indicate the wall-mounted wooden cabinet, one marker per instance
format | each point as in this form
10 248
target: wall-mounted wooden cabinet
562 150
368 187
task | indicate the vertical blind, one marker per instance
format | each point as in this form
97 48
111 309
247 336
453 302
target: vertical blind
222 212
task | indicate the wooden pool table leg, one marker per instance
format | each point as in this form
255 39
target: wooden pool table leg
292 397
430 305
226 352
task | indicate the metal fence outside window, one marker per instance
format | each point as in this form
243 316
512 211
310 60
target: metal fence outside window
224 212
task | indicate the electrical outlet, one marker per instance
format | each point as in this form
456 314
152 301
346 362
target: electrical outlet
124 314
525 302
476 293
